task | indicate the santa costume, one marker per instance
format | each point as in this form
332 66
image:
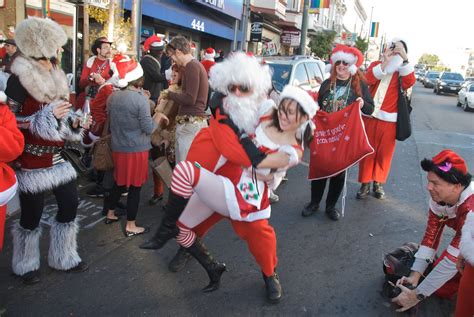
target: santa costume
11 143
34 90
381 125
443 280
465 304
208 59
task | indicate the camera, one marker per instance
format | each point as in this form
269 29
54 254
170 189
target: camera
394 291
392 47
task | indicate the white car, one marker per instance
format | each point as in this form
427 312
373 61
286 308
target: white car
466 97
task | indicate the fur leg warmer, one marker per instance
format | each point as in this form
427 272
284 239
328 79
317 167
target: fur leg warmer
26 251
63 246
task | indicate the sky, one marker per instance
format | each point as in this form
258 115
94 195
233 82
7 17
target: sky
440 27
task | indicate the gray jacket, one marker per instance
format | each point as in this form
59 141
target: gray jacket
130 121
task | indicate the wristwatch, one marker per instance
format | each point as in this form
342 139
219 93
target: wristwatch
419 296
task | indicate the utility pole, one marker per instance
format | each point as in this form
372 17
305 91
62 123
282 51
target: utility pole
304 27
85 34
368 34
110 24
245 25
137 26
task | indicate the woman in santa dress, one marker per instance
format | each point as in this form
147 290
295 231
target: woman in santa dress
243 198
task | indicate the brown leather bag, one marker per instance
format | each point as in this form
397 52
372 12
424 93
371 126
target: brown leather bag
102 152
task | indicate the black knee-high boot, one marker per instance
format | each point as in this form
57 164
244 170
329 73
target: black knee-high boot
168 229
213 268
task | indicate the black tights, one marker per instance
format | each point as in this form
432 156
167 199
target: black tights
336 184
133 200
32 205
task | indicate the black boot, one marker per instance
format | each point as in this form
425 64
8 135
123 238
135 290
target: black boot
213 268
272 288
379 193
178 262
310 209
168 229
333 213
363 191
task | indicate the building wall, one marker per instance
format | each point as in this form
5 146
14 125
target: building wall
11 14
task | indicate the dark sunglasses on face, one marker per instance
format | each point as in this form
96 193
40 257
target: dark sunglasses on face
241 88
343 63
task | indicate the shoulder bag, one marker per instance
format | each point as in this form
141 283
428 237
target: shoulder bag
403 114
102 151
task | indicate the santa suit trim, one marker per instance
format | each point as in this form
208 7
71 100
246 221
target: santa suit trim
406 69
234 208
42 179
386 116
467 238
378 72
450 212
8 194
453 252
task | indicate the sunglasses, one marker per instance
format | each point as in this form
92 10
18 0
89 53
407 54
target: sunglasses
339 63
241 88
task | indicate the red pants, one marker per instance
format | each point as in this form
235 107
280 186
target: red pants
465 301
259 235
3 213
381 135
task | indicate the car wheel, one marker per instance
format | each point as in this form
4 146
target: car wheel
438 92
466 106
458 104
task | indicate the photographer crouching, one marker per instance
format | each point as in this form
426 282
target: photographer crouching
452 199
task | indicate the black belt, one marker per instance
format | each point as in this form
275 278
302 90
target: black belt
39 150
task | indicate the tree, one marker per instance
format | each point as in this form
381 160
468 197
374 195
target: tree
362 44
321 43
429 60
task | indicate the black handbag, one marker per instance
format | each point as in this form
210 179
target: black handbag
73 152
403 114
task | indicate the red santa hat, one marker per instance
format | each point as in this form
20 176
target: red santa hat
209 54
302 97
447 158
155 42
350 55
128 70
448 165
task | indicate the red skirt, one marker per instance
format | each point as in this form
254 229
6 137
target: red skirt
131 169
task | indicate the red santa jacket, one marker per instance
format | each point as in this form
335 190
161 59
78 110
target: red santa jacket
384 89
441 216
33 92
208 65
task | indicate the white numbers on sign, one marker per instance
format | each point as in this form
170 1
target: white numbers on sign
197 25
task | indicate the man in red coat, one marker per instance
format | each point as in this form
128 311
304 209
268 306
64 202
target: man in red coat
452 200
11 143
208 59
382 78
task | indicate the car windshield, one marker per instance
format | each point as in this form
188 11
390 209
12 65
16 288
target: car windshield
280 75
452 76
433 75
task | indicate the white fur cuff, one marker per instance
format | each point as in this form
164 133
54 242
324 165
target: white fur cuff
378 72
406 69
43 179
44 124
467 238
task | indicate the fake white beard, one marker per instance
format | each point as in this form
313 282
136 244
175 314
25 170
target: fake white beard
394 64
243 111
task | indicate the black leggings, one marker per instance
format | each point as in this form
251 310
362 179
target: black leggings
32 205
133 199
336 184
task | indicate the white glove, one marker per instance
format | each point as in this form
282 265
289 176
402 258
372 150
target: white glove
293 154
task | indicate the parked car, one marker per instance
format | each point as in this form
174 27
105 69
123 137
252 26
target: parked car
448 82
302 71
466 97
429 79
467 81
419 74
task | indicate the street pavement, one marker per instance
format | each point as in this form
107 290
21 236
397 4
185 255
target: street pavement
326 268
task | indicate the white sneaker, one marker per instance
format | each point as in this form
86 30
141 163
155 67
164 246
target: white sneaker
273 197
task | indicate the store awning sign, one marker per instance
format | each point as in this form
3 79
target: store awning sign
228 7
98 3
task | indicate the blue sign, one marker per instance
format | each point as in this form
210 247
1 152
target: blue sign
229 7
178 13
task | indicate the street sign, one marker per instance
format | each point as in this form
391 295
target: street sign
290 38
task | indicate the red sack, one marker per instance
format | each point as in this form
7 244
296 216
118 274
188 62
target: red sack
339 142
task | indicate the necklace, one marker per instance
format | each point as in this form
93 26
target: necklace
339 101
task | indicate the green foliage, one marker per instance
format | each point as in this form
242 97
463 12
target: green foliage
429 59
362 44
321 43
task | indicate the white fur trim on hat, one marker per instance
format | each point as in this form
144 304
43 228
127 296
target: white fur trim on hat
349 58
3 97
302 97
241 69
134 74
36 37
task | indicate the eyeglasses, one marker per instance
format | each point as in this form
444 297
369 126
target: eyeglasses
339 63
241 88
